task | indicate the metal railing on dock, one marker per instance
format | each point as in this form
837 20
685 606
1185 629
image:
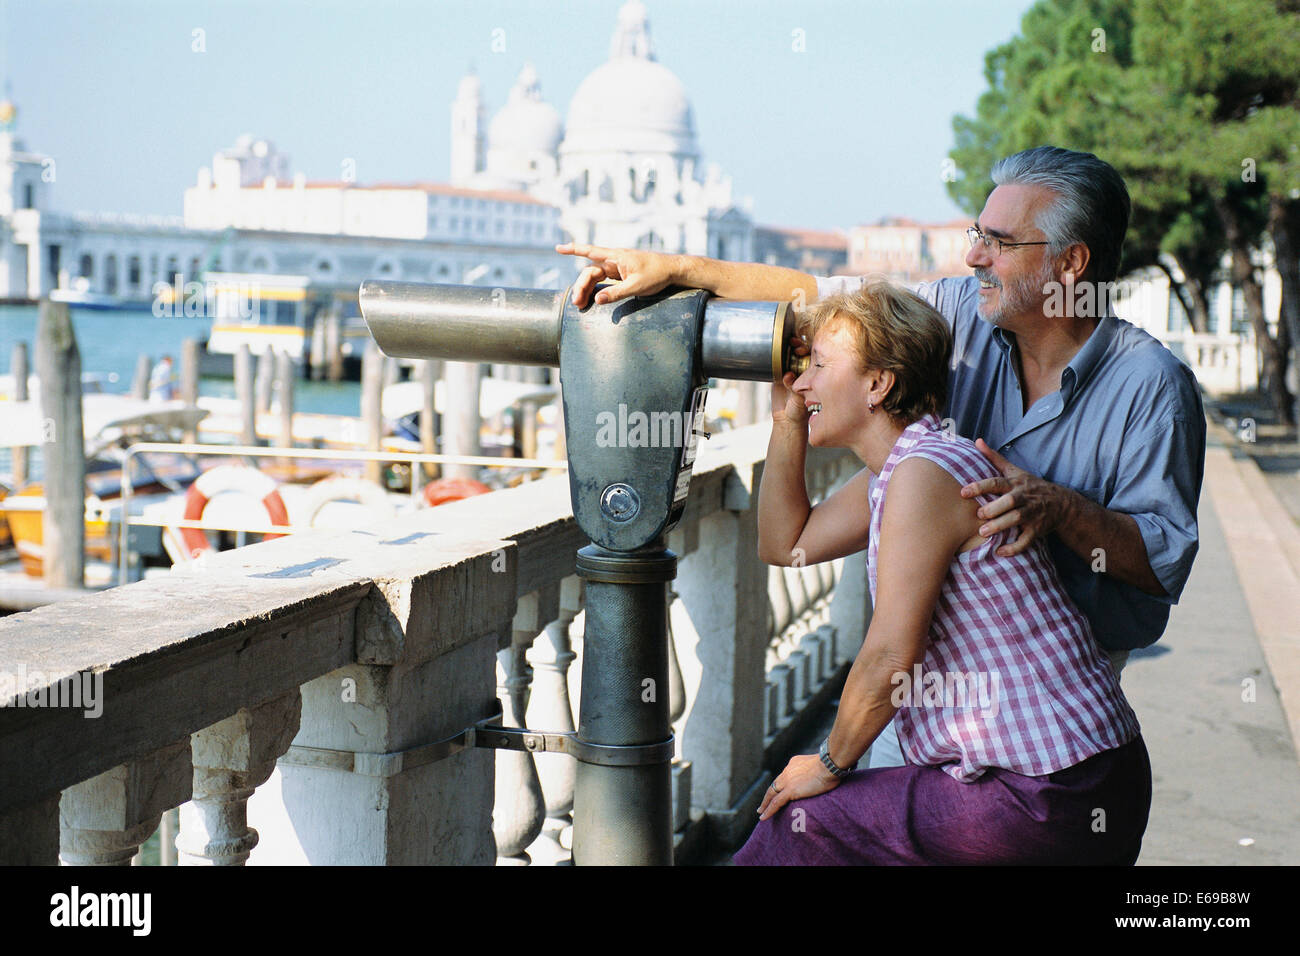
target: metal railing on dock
319 454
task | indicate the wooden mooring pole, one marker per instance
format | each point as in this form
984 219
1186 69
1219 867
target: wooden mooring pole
372 413
430 372
285 375
190 378
140 384
19 368
244 395
58 364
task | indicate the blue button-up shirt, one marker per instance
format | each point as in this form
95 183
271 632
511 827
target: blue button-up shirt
1126 430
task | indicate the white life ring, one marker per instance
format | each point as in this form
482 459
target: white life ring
369 495
225 478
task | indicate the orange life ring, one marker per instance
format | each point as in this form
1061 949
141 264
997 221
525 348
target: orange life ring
214 481
441 490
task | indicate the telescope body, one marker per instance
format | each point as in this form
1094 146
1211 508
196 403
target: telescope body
653 355
462 323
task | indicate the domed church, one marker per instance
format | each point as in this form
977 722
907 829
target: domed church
624 170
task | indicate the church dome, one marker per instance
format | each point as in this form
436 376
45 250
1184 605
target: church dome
631 103
526 124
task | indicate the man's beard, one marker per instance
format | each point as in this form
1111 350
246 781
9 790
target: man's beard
1024 295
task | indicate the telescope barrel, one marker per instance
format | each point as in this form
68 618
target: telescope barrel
739 340
746 340
464 323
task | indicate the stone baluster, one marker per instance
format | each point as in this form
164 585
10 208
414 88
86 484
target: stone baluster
681 768
813 587
232 758
782 614
719 624
829 637
814 645
551 708
829 573
519 810
800 603
683 540
797 661
104 820
850 607
780 698
676 686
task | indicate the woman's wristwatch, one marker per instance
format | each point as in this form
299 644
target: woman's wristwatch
825 754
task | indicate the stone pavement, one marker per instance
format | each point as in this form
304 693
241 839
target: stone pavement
1225 769
1224 762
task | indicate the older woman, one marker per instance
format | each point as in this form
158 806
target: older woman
1020 746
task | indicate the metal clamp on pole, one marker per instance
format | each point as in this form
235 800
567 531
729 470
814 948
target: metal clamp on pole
490 735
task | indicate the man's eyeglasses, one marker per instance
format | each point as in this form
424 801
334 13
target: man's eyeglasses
974 235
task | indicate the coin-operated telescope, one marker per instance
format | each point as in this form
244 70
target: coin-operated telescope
650 355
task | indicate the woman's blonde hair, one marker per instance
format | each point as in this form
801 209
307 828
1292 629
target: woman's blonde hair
896 331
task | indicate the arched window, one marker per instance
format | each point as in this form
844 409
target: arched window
110 274
87 266
133 273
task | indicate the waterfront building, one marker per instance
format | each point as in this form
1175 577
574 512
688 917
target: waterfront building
908 250
519 185
625 169
821 252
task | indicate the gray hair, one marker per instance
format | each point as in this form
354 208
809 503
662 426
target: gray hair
1092 204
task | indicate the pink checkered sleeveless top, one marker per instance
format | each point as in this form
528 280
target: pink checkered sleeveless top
1011 676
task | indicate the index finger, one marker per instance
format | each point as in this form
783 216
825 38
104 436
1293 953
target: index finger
985 486
584 250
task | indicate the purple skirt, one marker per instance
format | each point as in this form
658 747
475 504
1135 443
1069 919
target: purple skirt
1093 813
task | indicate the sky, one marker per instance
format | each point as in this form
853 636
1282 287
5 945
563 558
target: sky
828 113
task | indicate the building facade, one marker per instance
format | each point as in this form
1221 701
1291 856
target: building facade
625 169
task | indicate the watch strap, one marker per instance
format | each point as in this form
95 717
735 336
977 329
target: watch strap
825 754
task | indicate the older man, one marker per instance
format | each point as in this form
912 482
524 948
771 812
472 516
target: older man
1097 429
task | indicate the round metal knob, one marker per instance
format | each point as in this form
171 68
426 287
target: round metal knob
620 502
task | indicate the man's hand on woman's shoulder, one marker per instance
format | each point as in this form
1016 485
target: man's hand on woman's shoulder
1032 505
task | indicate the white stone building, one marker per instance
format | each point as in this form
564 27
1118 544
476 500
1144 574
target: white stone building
246 214
624 170
628 176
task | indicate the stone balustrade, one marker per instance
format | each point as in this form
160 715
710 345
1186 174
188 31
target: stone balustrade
289 696
1223 364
